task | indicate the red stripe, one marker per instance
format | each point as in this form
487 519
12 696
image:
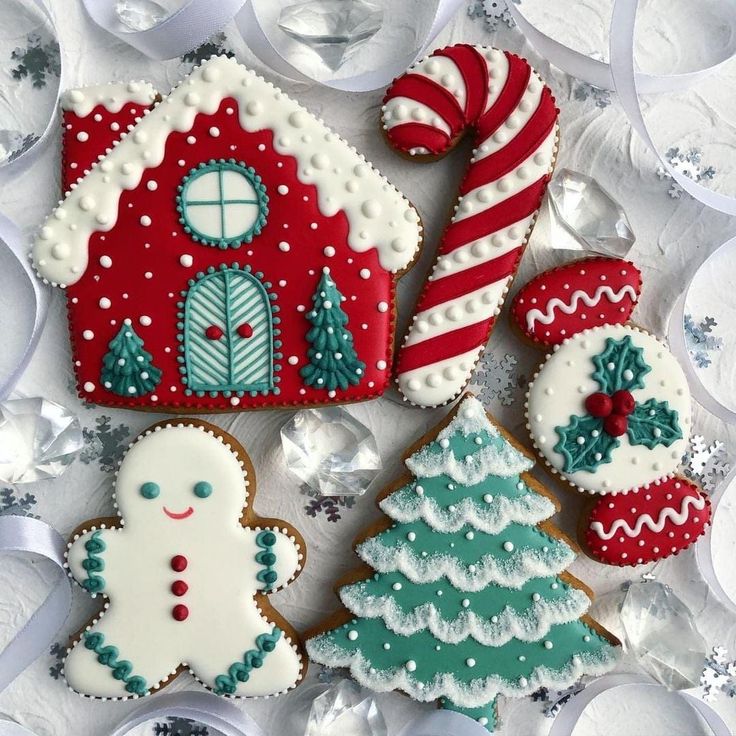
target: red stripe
495 218
474 71
521 146
443 347
441 100
412 135
512 92
463 282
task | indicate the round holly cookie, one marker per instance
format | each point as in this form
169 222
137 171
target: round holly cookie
185 568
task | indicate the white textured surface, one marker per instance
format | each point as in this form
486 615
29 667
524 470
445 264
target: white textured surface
672 235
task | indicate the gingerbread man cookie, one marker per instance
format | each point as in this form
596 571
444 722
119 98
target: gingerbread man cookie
609 411
186 569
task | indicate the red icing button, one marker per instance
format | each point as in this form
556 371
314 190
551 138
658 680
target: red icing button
180 612
179 587
615 425
623 403
179 563
245 330
213 332
599 405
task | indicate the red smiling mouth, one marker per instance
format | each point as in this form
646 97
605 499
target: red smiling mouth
182 515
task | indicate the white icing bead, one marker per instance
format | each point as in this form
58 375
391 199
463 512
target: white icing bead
382 307
508 546
411 665
60 251
371 208
145 221
105 303
320 161
282 189
105 261
82 137
88 335
186 260
145 320
89 386
352 635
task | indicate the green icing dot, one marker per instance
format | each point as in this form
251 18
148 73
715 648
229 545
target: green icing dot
150 490
203 489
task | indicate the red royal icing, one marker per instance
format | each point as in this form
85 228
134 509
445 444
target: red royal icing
179 563
180 612
599 404
623 403
213 332
179 587
587 293
647 524
142 270
615 425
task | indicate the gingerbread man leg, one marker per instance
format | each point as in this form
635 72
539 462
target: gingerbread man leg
118 657
250 657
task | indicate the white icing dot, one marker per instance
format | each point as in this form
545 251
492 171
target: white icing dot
371 208
411 665
145 320
282 189
284 246
411 536
628 374
382 307
88 335
89 386
105 261
548 644
381 365
397 586
470 662
214 131
329 251
82 137
365 273
105 303
145 221
469 535
508 546
352 635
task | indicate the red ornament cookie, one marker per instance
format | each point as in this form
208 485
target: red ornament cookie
222 249
648 524
609 411
498 98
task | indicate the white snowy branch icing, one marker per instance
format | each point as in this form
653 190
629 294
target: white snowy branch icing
530 625
645 520
405 506
512 572
379 215
112 97
473 695
504 462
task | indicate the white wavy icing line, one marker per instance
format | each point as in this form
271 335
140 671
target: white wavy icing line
665 515
546 317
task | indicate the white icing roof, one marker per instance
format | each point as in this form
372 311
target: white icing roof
111 96
379 215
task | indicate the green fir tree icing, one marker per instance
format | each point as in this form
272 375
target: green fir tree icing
127 369
467 602
333 361
584 444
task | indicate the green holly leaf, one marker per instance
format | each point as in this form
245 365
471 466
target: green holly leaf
654 423
620 367
594 450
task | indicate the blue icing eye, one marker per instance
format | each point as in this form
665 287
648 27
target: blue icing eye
150 490
203 489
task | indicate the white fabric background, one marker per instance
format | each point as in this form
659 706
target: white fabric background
673 235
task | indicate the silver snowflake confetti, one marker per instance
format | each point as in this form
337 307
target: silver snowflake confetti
707 464
719 675
554 699
492 13
496 378
700 339
689 163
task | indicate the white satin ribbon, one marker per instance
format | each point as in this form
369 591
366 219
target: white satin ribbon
566 720
191 25
443 723
251 28
32 536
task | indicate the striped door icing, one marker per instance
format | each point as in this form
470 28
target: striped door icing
228 334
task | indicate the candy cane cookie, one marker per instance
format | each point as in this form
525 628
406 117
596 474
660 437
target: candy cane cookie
512 114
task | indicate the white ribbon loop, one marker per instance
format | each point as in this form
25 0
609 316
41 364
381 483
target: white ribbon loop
443 723
32 536
191 25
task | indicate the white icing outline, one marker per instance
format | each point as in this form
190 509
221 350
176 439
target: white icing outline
645 520
113 97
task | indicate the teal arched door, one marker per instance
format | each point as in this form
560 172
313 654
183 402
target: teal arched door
228 334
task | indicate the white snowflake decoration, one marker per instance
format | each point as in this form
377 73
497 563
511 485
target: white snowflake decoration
497 379
719 675
493 12
689 163
706 464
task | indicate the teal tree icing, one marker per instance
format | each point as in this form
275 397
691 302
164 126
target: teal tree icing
121 669
240 671
94 564
467 601
333 361
223 203
585 444
127 369
266 557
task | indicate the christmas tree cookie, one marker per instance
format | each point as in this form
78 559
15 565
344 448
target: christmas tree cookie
186 569
470 599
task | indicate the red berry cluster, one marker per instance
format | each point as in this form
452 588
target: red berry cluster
614 410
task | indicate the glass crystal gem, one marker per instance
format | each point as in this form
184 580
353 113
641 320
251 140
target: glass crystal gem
588 212
659 630
140 15
38 439
345 710
332 28
331 451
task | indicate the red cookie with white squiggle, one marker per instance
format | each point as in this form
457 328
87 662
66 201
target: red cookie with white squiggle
609 410
647 525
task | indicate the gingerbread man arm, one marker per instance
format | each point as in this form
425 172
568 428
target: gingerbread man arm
89 555
277 555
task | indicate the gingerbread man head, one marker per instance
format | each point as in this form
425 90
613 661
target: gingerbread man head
609 410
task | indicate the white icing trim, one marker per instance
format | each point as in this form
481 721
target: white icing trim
645 520
535 622
498 72
512 572
443 71
113 97
547 315
390 224
473 695
406 506
399 110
